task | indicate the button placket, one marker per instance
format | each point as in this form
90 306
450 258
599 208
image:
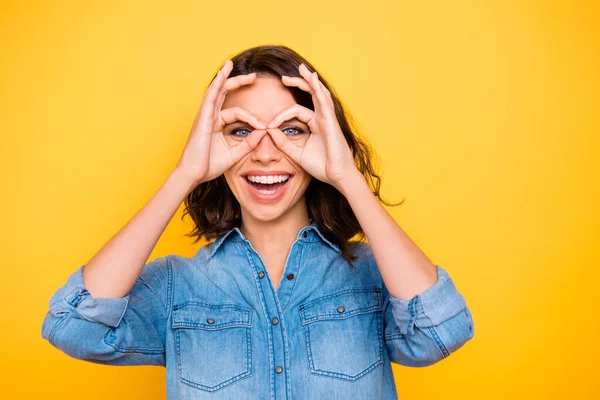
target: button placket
269 296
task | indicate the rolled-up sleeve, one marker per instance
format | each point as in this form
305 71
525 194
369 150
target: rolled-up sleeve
127 330
428 327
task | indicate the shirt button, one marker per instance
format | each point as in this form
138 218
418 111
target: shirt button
340 309
210 321
305 234
278 369
261 274
290 277
275 321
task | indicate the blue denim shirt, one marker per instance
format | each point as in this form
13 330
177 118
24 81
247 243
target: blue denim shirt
222 331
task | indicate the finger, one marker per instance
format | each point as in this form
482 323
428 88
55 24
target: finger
249 143
222 75
300 83
313 79
282 142
230 115
302 113
321 93
232 84
208 104
317 87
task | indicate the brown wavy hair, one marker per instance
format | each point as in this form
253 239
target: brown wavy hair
215 210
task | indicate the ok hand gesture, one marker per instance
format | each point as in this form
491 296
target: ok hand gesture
207 154
326 154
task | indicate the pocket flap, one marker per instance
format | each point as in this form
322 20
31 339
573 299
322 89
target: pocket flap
193 314
342 304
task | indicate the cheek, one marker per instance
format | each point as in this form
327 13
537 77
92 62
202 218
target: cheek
299 140
230 177
303 179
231 140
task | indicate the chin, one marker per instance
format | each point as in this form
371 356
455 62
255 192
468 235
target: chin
263 213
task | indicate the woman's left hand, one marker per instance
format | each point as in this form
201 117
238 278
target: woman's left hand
326 154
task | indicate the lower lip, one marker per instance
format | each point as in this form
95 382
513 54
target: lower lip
266 198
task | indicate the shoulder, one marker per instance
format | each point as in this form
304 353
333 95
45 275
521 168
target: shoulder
362 251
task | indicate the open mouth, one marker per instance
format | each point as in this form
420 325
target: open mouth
268 184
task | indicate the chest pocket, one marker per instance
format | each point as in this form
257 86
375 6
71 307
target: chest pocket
213 344
343 333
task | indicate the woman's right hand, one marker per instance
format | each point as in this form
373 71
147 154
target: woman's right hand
207 154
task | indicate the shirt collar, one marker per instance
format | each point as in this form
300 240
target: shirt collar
313 234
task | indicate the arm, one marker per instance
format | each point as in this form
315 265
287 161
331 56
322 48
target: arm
419 294
405 269
113 271
114 309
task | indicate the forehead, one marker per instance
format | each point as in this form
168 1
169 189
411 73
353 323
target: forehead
264 98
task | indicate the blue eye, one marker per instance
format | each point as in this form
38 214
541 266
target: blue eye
246 132
292 129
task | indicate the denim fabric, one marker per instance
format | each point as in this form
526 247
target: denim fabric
222 331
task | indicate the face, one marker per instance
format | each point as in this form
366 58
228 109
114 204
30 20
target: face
266 182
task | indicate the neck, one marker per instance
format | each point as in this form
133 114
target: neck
277 234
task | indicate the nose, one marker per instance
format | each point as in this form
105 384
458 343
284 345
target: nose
266 151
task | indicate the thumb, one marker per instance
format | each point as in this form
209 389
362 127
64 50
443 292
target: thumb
248 144
285 145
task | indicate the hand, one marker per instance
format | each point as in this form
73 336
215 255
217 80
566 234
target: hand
325 154
207 154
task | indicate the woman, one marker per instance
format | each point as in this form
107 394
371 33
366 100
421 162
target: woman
282 304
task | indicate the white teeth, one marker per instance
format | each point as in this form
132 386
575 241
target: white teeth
270 179
267 191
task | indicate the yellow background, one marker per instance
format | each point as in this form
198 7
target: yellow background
484 115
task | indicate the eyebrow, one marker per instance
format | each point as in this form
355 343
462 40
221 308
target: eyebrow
294 120
239 122
244 123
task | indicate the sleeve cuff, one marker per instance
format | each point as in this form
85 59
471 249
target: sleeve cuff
74 297
435 305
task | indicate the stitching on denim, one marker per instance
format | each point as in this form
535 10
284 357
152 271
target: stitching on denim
412 307
238 316
292 259
169 288
182 305
339 375
438 342
299 256
370 292
395 336
124 311
78 297
220 385
261 296
137 350
54 329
